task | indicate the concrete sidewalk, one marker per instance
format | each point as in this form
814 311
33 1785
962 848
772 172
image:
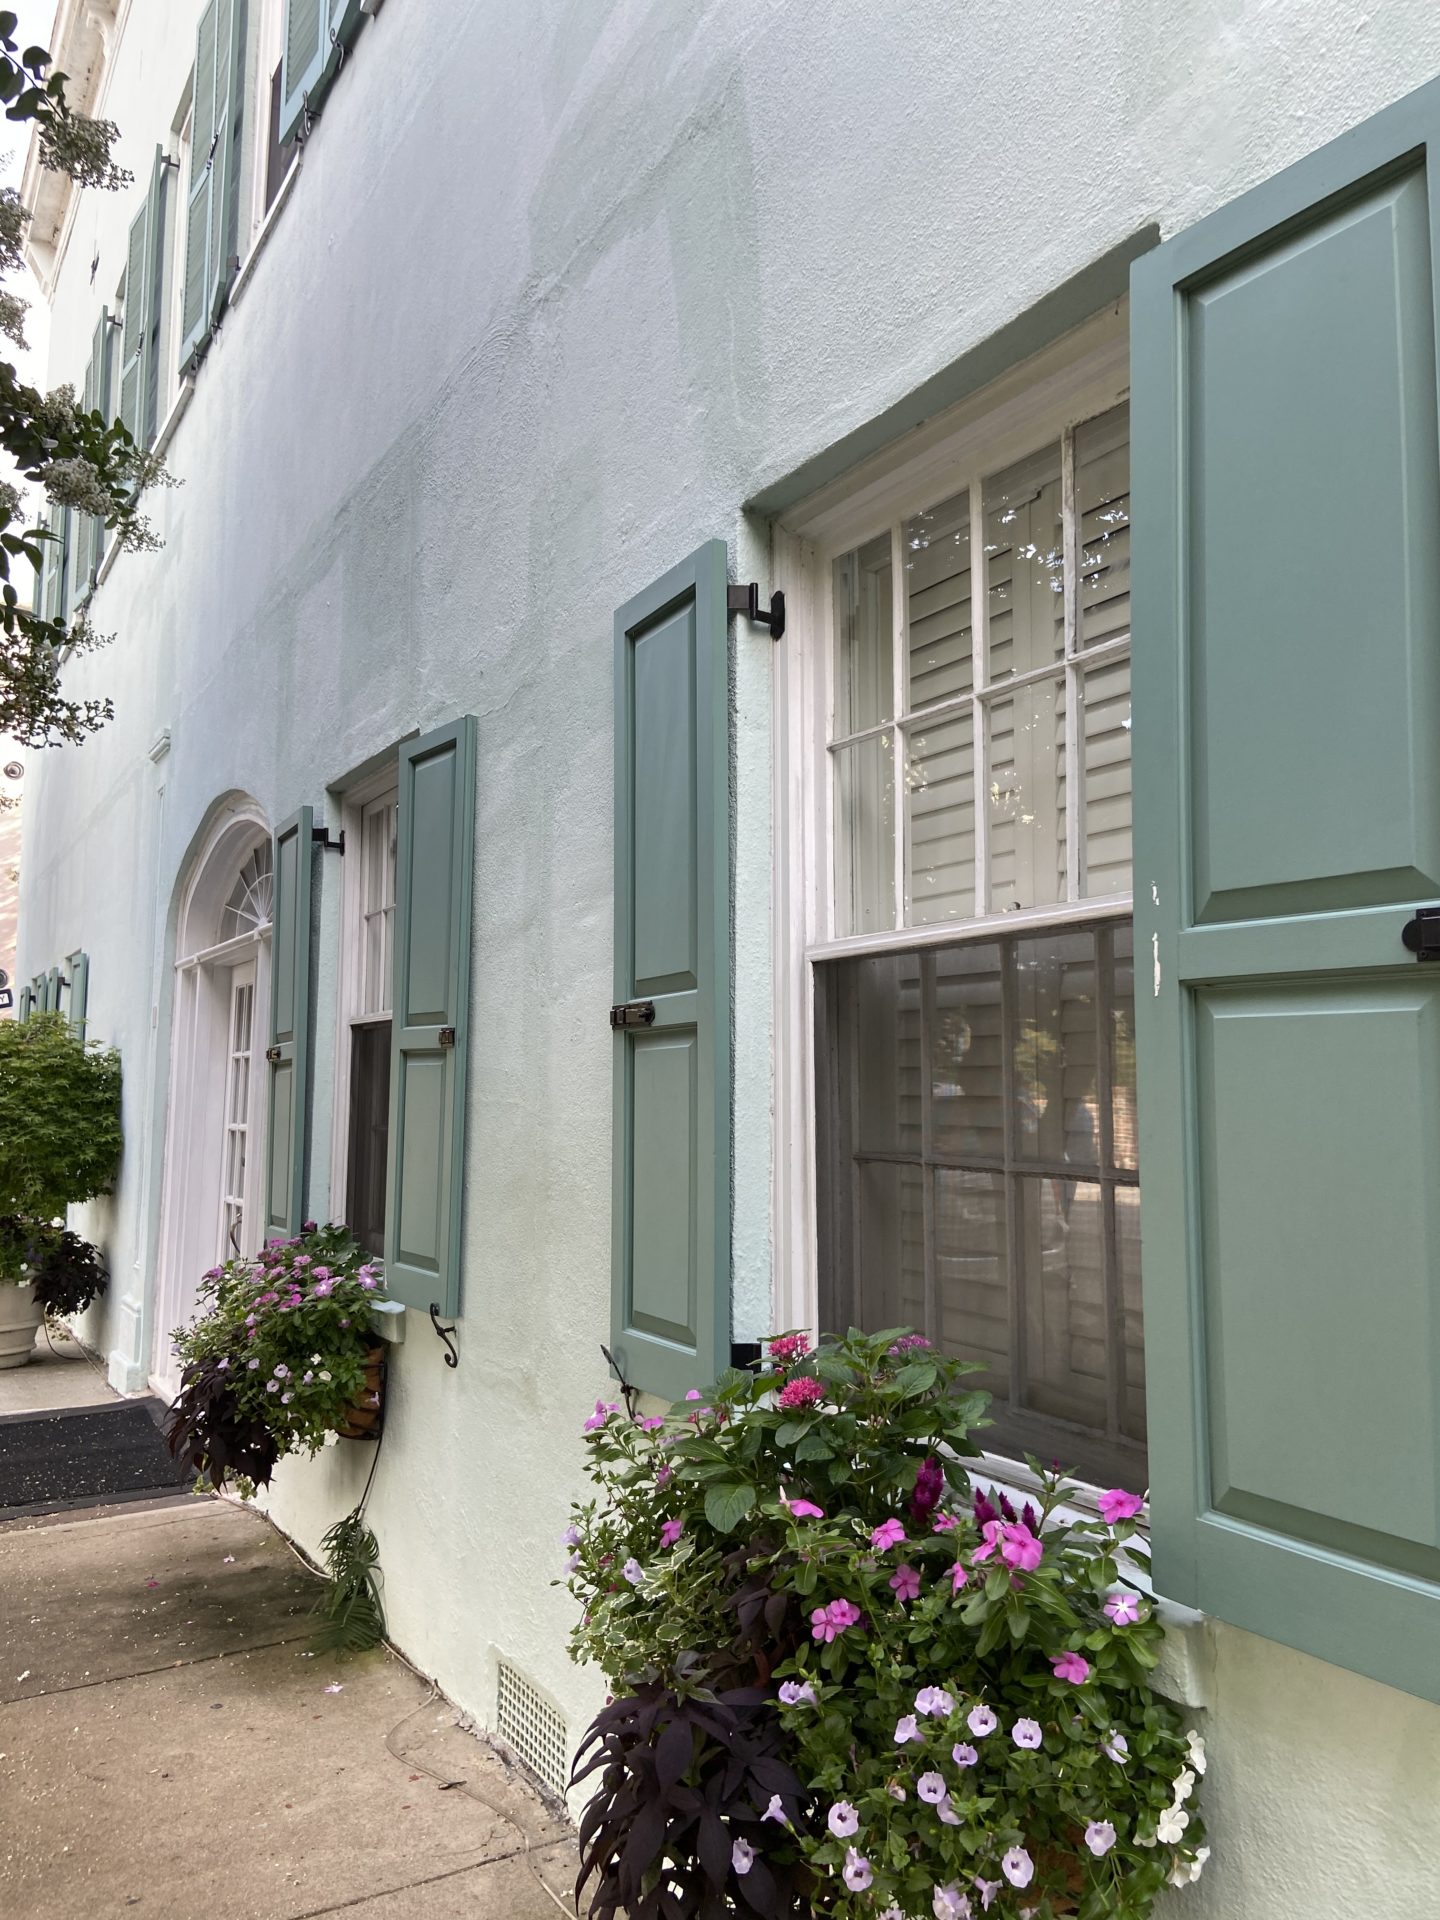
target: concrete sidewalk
169 1746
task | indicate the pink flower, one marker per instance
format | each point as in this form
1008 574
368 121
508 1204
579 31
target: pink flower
663 1475
1017 1544
905 1582
1123 1609
909 1343
1071 1667
301 1260
321 1273
803 1392
742 1856
888 1534
857 1875
1017 1867
653 1424
693 1393
964 1755
958 1577
789 1347
324 1288
1099 1837
906 1728
843 1820
598 1418
1117 1505
671 1532
803 1509
944 1523
828 1623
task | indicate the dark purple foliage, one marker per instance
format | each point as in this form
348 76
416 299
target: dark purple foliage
206 1428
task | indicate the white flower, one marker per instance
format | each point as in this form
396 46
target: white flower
742 1856
1184 1786
1170 1827
324 1373
633 1572
1196 1752
1185 1871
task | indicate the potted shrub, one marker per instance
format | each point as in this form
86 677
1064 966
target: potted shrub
60 1124
282 1354
846 1682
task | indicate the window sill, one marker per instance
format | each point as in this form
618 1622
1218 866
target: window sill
388 1320
282 194
162 441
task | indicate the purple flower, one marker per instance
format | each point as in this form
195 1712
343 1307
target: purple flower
858 1874
947 1813
282 1372
1017 1867
1123 1609
948 1903
222 1366
931 1787
984 1513
1099 1837
307 1226
251 1365
888 1534
272 1386
323 1289
906 1728
843 1820
286 1398
988 1891
776 1811
909 1343
671 1532
633 1572
1072 1667
367 1282
1026 1733
742 1856
981 1721
906 1583
301 1260
934 1701
1118 1505
1117 1747
792 1692
964 1755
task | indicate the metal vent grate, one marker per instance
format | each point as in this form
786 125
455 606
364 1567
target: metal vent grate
528 1724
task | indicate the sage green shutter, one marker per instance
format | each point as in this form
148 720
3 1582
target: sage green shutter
1287 823
317 32
287 1059
434 880
211 203
52 565
670 1273
79 970
24 1004
83 544
52 990
144 305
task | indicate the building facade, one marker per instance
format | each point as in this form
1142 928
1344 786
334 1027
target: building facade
678 982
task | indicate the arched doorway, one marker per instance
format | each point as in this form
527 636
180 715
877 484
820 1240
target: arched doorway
214 1136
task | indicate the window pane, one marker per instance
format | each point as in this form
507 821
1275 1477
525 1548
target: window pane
940 820
971 1281
1123 1121
864 637
1105 729
1063 1288
890 1241
1057 1117
937 587
1102 497
369 1135
1127 1258
966 1071
886 1017
1026 797
865 836
1024 566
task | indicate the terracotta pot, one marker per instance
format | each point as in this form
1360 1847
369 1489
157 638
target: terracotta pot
362 1421
20 1316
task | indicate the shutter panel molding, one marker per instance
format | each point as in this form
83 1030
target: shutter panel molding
670 1267
212 195
287 1061
317 34
144 308
434 883
1287 823
132 335
79 966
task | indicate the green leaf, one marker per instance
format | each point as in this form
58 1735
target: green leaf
727 1504
815 1447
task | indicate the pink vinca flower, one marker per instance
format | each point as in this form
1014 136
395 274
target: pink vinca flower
803 1392
653 1425
943 1523
1123 1609
888 1534
858 1873
905 1582
671 1532
958 1577
1117 1505
1021 1549
1071 1667
802 1509
828 1623
598 1418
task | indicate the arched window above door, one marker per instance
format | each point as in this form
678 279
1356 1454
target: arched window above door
250 903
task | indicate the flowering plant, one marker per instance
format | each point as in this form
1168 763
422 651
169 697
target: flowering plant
961 1689
277 1356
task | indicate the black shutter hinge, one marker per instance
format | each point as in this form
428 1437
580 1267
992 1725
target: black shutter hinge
1422 934
746 601
321 837
634 1013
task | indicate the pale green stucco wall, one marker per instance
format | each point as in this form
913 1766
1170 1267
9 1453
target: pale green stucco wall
560 287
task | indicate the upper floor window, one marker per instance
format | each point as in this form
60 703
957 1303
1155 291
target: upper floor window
977 1175
364 1131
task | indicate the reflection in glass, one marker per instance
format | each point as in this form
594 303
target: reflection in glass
967 1077
1105 730
940 819
1024 566
1102 498
865 836
886 1017
971 1274
937 590
1026 797
864 637
1066 1351
1057 1116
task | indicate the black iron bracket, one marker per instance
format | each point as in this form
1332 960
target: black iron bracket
452 1358
1421 935
627 1392
321 837
746 601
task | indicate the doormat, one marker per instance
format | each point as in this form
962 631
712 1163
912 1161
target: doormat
85 1455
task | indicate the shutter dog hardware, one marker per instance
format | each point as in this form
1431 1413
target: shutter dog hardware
746 600
1422 934
635 1013
452 1358
321 837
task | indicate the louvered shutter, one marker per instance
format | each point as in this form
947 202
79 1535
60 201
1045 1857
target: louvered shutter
105 400
78 967
670 1275
52 561
144 305
132 337
212 196
1287 825
155 297
287 1058
24 1003
317 32
435 861
82 545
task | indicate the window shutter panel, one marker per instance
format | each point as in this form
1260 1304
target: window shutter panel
132 336
199 200
83 527
52 990
79 965
287 1059
24 1001
670 1274
52 559
307 42
102 354
154 300
65 521
1287 820
434 878
37 994
223 263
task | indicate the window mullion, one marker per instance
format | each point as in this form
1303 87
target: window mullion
1074 796
897 662
979 745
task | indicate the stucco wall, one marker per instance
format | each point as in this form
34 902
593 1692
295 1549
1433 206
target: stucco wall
559 287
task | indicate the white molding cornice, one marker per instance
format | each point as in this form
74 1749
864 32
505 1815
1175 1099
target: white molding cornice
81 43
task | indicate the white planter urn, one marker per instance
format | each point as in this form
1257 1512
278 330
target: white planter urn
20 1315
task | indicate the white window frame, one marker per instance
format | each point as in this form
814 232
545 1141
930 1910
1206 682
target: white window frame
1078 378
355 803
